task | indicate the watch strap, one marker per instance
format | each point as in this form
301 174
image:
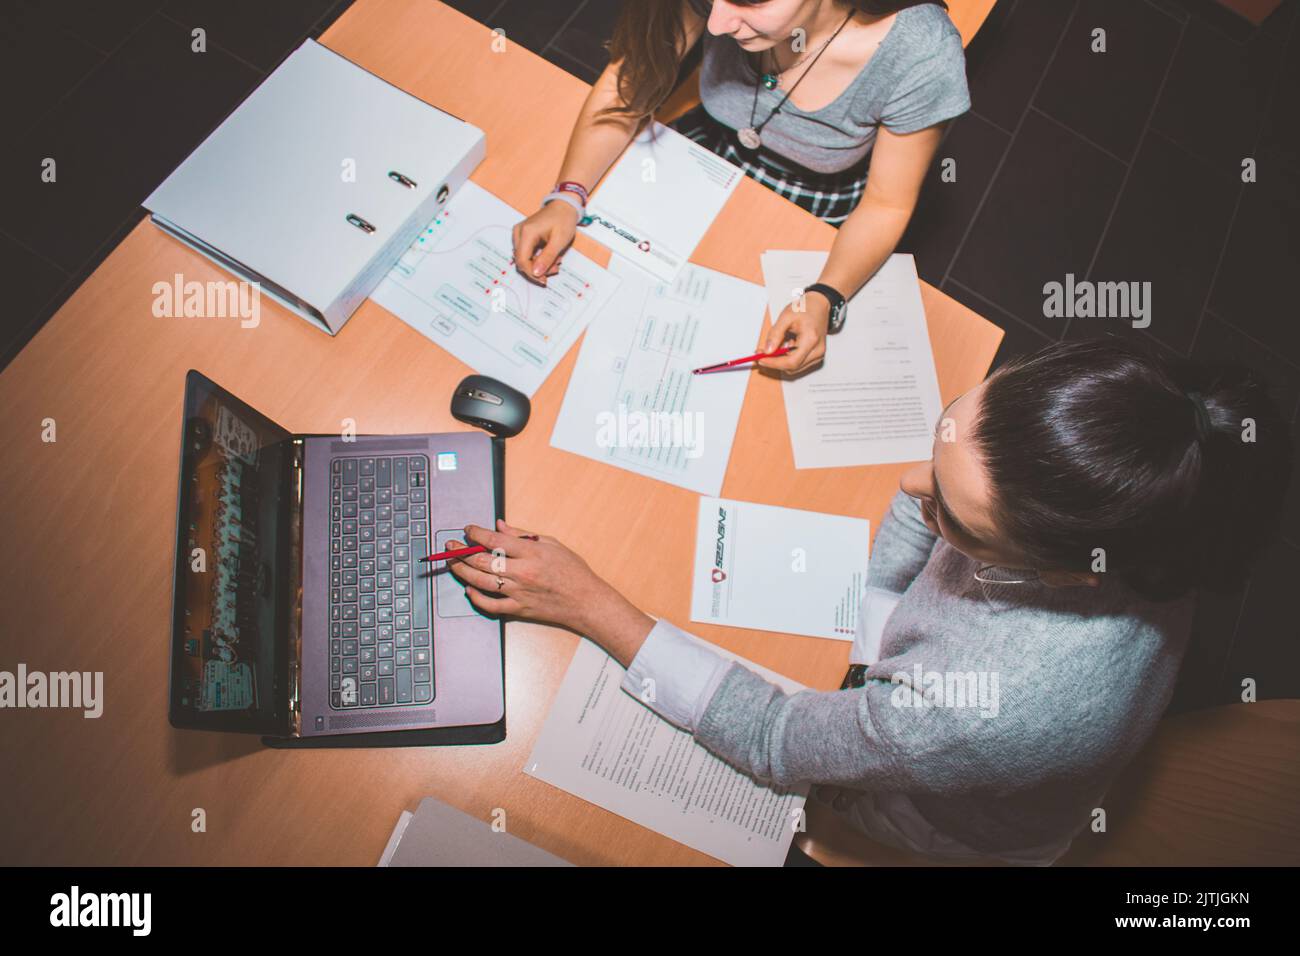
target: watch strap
837 303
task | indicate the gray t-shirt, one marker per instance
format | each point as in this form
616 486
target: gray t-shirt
916 78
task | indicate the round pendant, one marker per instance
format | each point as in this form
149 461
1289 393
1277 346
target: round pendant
749 138
769 81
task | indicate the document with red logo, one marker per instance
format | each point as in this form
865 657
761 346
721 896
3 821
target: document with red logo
657 202
779 569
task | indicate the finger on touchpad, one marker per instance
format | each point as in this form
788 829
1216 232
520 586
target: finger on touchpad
450 596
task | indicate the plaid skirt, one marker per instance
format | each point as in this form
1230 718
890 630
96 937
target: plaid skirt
829 196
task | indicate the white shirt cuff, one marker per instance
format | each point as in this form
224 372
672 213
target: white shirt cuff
675 674
876 608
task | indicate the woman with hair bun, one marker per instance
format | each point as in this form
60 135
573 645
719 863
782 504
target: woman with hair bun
1042 564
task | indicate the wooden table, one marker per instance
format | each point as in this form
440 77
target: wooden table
87 520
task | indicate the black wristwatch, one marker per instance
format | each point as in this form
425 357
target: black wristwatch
839 305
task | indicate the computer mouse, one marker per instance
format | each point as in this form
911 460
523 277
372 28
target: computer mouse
485 403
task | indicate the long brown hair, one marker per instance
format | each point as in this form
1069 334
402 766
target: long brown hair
649 34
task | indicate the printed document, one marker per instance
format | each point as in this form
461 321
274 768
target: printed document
875 398
779 569
603 745
632 400
656 203
458 287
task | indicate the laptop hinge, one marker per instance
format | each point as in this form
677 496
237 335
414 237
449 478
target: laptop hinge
295 585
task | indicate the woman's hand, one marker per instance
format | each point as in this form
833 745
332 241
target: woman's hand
808 330
542 238
538 580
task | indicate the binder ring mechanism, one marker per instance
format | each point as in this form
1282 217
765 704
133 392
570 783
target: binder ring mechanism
396 177
360 223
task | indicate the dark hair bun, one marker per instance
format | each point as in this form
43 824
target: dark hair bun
1176 470
1244 458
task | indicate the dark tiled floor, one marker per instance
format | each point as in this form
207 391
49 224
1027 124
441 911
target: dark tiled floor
977 145
1219 93
1157 235
1042 218
1107 72
115 96
255 31
1255 286
1122 165
102 171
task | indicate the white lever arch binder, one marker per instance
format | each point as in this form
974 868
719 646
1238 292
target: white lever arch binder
317 183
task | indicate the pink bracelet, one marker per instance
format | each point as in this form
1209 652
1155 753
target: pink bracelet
568 186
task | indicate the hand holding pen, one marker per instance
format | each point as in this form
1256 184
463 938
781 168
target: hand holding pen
539 579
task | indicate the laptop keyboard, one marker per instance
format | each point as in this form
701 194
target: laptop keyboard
380 606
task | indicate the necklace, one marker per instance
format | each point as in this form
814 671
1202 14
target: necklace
770 80
751 136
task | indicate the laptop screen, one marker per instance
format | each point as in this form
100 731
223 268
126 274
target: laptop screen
230 606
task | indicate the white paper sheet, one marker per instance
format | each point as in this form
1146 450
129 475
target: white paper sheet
632 400
659 199
875 399
456 285
603 745
779 569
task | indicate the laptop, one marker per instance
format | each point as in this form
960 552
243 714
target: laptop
300 606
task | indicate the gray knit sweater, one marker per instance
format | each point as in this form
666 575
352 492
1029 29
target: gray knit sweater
1082 676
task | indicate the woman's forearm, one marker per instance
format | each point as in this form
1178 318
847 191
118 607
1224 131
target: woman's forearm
866 239
617 625
597 140
873 230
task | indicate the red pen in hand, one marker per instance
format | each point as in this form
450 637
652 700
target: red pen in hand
467 551
741 361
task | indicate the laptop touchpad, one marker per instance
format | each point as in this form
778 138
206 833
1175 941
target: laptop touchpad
451 600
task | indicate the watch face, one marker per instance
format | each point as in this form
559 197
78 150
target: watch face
837 316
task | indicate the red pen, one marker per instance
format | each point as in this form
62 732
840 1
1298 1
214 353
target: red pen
466 552
742 361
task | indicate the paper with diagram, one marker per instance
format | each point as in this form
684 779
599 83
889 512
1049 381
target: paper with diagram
632 400
603 745
657 202
457 286
875 399
779 569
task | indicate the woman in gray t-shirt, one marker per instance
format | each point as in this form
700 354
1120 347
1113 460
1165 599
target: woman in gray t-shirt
802 95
